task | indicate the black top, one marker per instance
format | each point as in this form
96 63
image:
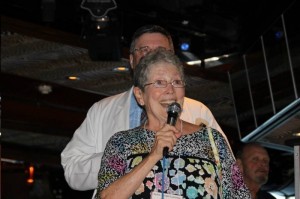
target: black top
264 195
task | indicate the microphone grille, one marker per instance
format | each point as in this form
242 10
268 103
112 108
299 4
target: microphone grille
174 108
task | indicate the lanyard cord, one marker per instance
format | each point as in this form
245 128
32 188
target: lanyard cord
164 168
216 155
164 165
163 178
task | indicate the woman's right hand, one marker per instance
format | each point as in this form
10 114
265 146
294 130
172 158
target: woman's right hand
165 137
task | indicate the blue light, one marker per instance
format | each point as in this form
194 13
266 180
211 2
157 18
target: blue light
278 35
185 46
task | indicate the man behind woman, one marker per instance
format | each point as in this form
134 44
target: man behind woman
81 157
200 163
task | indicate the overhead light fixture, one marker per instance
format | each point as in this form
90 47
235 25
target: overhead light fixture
196 62
121 69
30 179
209 62
101 29
45 89
73 78
184 44
98 8
296 134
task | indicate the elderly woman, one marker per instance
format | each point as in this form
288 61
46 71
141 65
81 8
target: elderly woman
199 163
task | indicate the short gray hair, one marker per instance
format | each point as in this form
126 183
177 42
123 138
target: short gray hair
159 55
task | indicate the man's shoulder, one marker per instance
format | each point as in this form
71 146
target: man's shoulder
122 99
188 102
118 98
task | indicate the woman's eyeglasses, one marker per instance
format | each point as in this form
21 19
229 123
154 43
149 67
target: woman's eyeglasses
164 84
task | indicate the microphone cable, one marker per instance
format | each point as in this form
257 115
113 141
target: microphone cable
163 178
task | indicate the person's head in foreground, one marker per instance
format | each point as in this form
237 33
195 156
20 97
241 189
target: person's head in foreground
159 81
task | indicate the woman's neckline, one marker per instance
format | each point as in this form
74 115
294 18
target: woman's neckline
191 129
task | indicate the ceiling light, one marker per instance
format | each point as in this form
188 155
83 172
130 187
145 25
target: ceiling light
185 22
196 62
45 89
296 134
98 8
184 44
30 179
212 59
121 69
73 78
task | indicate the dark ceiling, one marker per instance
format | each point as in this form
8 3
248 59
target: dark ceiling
45 41
214 27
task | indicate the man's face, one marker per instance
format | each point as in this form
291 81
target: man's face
145 43
255 165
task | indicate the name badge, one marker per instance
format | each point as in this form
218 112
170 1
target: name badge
157 195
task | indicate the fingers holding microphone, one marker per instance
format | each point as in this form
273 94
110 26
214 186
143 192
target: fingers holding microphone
165 138
173 111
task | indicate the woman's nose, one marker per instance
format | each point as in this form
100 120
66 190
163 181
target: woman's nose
170 87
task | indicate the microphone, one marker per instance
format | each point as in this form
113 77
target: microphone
173 111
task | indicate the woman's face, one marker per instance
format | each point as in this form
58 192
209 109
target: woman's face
156 100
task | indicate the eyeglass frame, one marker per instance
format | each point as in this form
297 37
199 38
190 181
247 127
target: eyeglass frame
144 50
166 84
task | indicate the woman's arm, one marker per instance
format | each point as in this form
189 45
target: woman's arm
125 186
233 186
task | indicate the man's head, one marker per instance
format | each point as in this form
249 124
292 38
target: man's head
253 160
147 38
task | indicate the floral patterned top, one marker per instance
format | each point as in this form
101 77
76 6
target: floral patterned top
190 168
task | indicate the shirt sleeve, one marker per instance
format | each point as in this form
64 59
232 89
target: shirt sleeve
82 156
113 163
233 186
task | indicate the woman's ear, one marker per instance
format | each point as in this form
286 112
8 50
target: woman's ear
138 93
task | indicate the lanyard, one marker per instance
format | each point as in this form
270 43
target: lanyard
216 154
164 168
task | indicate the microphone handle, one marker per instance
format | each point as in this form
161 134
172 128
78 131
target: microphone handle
165 151
172 121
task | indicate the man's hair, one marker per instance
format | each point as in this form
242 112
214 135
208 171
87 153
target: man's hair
150 29
158 55
241 150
